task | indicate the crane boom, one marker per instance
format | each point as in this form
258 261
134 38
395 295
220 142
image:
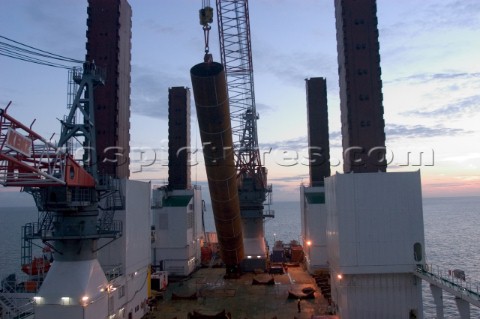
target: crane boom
236 56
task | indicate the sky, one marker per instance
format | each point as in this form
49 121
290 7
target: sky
430 72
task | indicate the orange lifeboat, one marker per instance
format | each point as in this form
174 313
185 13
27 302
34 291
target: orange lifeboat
36 267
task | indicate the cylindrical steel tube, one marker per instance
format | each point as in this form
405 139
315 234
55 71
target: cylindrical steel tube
213 113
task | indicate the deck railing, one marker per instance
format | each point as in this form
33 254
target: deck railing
449 280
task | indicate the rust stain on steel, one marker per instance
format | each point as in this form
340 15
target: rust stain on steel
213 113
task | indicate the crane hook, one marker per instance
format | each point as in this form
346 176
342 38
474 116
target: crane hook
206 17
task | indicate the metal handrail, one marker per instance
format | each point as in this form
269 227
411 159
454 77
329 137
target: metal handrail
447 278
11 307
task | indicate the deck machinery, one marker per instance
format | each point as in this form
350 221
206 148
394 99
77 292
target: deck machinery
251 176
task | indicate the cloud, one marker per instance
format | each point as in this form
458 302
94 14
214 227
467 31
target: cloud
432 29
300 143
287 179
264 108
451 185
156 27
392 131
295 143
286 188
455 13
395 131
423 17
281 66
63 22
335 139
428 77
438 91
463 158
462 107
150 91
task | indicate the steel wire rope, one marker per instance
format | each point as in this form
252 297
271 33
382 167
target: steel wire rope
19 53
54 55
25 51
17 56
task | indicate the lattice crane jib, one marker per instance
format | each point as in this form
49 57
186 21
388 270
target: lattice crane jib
83 104
236 56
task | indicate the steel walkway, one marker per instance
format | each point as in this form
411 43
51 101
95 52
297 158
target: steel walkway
459 288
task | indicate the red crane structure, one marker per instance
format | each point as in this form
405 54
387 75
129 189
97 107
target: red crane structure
28 160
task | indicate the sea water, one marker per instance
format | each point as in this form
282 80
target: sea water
451 242
451 239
